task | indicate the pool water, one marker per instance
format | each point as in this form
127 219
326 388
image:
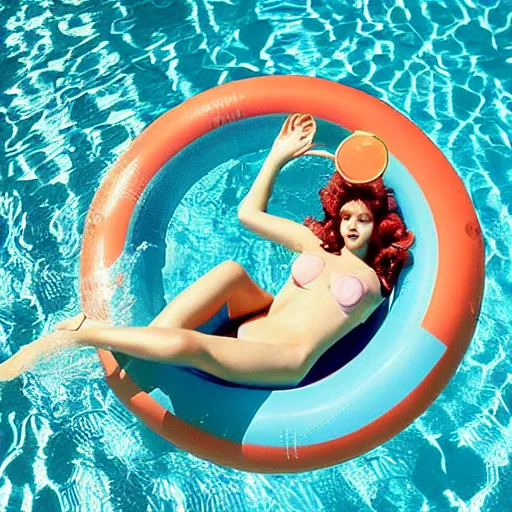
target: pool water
80 79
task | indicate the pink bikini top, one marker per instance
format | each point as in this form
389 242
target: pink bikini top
347 290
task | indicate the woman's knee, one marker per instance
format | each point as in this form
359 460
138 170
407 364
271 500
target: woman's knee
175 345
233 268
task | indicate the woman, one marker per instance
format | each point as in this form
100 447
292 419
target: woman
348 263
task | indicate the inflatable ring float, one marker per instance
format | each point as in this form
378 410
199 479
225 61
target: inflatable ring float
410 358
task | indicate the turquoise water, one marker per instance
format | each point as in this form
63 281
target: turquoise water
79 81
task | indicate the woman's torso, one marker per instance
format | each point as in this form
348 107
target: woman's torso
309 310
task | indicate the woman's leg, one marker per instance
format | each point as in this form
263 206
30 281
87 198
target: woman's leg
227 283
235 360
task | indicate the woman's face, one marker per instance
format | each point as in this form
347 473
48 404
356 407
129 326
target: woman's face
356 227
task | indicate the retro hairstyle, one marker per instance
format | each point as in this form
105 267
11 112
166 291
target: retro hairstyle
388 247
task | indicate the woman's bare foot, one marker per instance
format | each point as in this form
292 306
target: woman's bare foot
30 354
63 337
71 324
77 322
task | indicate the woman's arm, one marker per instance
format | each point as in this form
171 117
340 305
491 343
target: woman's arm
257 198
293 140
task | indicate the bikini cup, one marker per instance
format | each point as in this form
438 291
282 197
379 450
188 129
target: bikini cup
306 268
347 290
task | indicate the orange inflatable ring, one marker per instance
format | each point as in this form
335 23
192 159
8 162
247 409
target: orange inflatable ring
428 343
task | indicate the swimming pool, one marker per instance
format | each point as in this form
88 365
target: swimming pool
80 80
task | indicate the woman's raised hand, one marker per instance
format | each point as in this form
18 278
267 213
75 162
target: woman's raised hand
295 137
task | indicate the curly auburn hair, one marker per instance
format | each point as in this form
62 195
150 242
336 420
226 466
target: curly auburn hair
389 243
